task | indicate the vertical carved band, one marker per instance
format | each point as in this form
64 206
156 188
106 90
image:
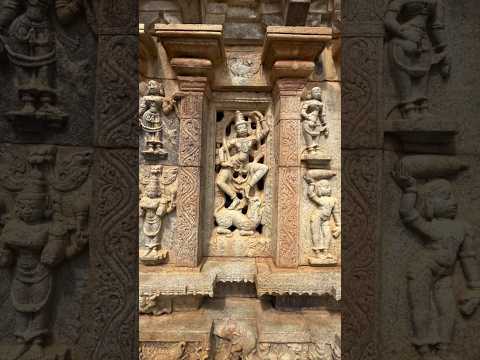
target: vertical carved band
188 217
288 216
114 253
287 96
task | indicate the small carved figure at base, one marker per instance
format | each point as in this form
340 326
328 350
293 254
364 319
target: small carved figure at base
245 223
154 304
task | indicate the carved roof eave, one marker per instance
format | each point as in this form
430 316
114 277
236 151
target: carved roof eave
177 284
300 283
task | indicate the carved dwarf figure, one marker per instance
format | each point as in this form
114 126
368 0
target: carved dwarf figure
153 107
34 241
417 41
28 39
235 155
324 220
158 201
313 120
430 212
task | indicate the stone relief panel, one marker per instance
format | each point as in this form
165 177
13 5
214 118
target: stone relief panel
158 198
41 43
43 239
158 119
323 215
240 178
320 194
417 42
435 309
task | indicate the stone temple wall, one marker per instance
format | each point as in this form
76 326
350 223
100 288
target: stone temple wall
240 197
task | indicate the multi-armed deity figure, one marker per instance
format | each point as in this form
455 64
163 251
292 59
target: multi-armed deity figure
239 174
158 201
26 31
324 220
313 120
430 211
153 107
417 41
36 239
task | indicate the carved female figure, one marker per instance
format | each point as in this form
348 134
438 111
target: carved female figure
153 107
27 36
313 120
431 213
417 41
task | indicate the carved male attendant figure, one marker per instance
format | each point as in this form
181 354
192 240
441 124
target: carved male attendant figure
313 120
235 156
417 41
28 39
430 212
158 201
153 107
324 220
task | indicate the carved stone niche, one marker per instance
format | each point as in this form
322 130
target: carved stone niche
44 234
243 176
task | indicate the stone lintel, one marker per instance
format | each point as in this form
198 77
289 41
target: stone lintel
192 41
294 43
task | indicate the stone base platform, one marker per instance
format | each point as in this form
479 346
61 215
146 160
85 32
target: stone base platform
301 333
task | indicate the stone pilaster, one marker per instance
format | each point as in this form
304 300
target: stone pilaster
288 130
187 243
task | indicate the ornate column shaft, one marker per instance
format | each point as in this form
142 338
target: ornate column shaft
288 131
188 248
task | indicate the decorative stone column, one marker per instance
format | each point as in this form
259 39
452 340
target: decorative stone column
287 93
288 57
187 239
193 51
